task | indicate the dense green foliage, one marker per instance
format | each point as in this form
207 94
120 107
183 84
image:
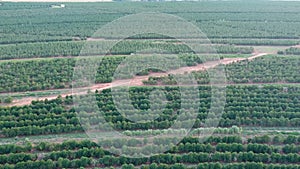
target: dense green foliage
39 118
233 19
215 152
36 74
267 69
55 49
290 51
42 74
35 30
51 73
269 106
274 108
31 50
257 42
233 22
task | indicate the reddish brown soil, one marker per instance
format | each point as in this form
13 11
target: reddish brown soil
135 81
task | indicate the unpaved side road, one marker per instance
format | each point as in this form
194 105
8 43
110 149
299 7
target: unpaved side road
135 81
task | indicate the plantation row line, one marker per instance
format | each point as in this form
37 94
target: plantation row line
85 162
190 158
259 70
270 106
256 42
290 51
58 73
232 19
244 106
70 154
95 153
68 48
230 143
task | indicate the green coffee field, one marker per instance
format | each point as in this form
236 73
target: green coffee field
256 43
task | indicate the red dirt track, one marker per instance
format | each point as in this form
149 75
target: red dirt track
135 81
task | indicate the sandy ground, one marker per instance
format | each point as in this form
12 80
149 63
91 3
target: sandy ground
136 81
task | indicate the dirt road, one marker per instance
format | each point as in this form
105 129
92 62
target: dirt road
136 81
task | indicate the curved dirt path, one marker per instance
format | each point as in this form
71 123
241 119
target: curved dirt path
135 81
